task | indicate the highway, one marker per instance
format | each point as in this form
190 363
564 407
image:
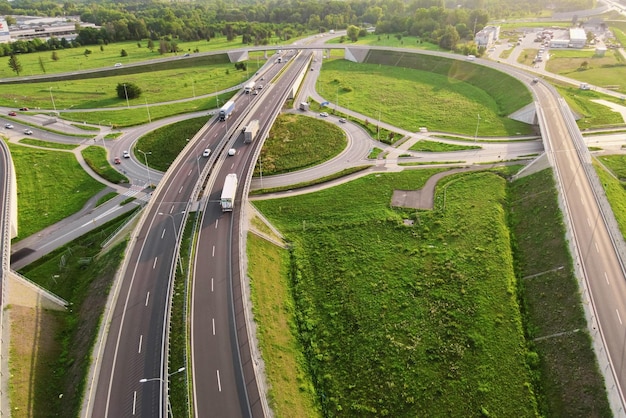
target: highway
137 341
224 376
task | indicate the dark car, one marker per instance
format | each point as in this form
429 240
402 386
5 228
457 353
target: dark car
24 109
12 114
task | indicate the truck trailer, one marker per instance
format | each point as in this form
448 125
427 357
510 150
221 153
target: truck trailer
226 110
249 87
227 201
250 132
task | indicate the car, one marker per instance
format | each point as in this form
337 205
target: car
125 154
342 120
232 152
28 132
262 78
312 69
118 64
324 114
260 86
24 109
117 160
8 126
255 92
206 153
535 80
186 55
12 114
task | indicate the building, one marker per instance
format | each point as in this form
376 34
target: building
5 36
28 27
577 38
487 36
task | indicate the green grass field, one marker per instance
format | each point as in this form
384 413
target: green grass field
398 319
606 71
612 175
156 86
593 115
441 100
98 160
389 41
296 142
74 59
51 187
164 144
434 146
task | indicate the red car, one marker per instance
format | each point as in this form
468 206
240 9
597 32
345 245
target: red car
12 114
117 160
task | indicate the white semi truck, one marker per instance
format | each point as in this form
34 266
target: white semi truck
227 200
248 88
249 133
226 110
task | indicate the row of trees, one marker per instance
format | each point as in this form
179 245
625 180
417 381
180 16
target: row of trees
257 22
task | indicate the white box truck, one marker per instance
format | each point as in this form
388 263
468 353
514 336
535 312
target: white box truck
227 201
248 88
250 132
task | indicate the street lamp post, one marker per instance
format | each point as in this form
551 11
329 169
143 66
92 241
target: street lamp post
180 264
477 123
145 156
148 110
169 406
126 94
52 98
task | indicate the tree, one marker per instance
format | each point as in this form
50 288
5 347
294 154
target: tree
87 52
41 65
55 56
123 53
128 90
150 45
353 33
14 64
450 38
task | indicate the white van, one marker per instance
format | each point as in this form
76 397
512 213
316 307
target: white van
471 57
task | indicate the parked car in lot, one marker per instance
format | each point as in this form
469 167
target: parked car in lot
12 114
8 126
324 114
24 109
125 154
28 132
117 160
206 152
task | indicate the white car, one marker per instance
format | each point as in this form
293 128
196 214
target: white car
8 126
232 152
28 132
324 114
206 152
118 64
342 120
125 154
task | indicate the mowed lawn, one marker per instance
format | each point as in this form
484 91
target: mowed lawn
606 71
410 98
408 320
296 142
51 186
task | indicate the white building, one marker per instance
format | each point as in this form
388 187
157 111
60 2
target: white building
5 36
487 36
577 38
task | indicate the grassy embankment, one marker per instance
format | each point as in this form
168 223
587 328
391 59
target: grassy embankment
50 380
74 59
564 366
397 319
614 182
413 91
434 146
52 186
